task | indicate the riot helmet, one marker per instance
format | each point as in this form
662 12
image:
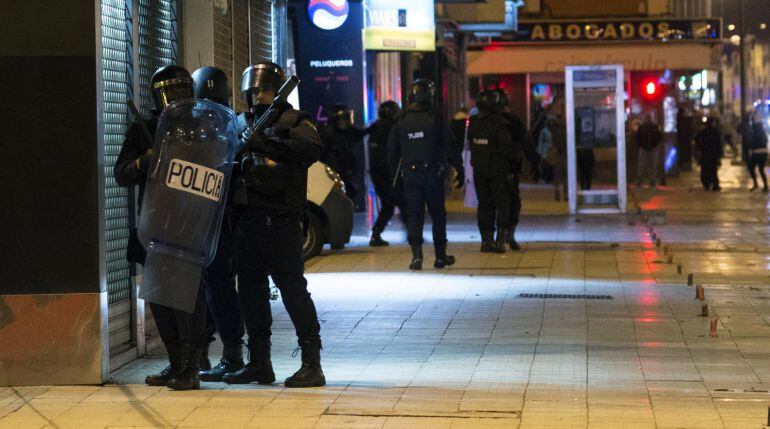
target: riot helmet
169 84
211 84
422 95
341 116
260 83
488 101
388 110
505 100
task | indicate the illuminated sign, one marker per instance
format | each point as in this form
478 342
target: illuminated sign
615 31
328 14
399 25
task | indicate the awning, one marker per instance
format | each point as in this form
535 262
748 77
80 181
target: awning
633 57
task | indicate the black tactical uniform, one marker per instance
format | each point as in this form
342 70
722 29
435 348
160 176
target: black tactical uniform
708 143
491 153
423 146
181 332
523 145
270 197
390 192
219 277
344 152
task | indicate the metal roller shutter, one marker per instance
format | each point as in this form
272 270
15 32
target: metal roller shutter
157 44
262 31
116 69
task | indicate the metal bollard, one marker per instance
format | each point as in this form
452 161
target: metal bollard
689 278
665 250
679 268
704 310
713 328
670 259
658 242
700 294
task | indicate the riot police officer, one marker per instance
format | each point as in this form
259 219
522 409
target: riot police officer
181 332
491 153
422 146
270 198
219 277
523 145
390 192
344 151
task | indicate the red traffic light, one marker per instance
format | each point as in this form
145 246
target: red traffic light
650 89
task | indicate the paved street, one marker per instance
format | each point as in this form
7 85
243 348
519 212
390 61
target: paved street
620 343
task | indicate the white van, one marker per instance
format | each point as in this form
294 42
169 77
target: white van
330 211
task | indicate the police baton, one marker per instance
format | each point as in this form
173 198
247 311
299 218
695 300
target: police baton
139 120
398 171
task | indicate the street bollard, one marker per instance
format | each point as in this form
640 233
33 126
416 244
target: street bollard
679 269
704 310
665 250
658 242
689 278
713 328
670 259
700 295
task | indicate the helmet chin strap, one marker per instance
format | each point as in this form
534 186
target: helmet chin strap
259 109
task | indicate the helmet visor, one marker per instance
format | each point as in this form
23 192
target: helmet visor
263 78
169 91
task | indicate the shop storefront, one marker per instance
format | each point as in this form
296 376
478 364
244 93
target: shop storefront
669 64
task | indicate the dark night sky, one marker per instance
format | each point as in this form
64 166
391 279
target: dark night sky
756 11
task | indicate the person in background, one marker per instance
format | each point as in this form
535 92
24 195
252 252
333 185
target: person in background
708 143
684 133
390 192
746 131
553 148
758 151
648 138
343 151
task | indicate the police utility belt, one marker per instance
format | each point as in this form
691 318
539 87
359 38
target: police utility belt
263 176
424 166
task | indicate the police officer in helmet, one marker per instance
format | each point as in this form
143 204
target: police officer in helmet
422 146
390 192
491 152
344 151
181 332
523 146
270 198
219 277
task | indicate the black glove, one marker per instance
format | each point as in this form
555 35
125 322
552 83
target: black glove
460 178
257 143
143 162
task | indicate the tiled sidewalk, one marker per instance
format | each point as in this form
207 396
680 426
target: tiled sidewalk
460 348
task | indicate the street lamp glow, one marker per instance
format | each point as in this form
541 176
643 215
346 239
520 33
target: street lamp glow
763 26
731 27
735 39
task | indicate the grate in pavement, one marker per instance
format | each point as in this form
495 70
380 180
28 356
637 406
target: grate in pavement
563 296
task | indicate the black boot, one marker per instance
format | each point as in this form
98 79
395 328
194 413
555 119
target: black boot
442 259
232 360
259 368
187 376
310 373
416 257
512 239
376 240
162 378
205 363
502 235
488 242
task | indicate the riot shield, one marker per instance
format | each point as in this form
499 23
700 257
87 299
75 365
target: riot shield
187 182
